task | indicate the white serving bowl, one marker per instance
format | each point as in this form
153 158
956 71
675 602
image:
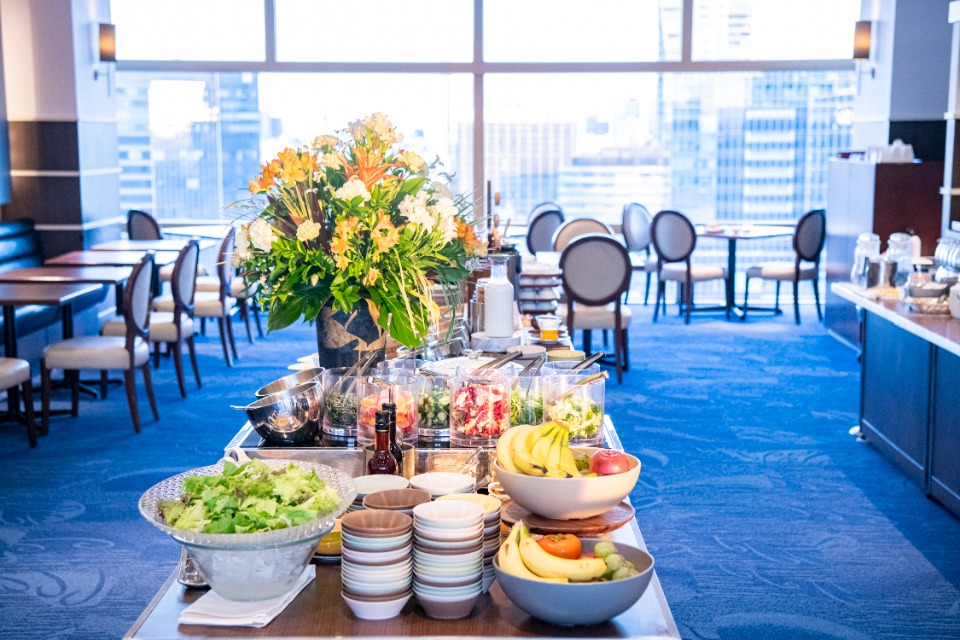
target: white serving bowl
448 594
569 498
490 504
465 534
426 557
448 609
376 586
376 557
374 544
448 515
384 574
377 610
440 483
378 482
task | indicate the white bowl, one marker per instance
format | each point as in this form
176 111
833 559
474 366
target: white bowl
448 594
569 498
449 535
374 544
443 482
448 515
425 557
377 610
490 504
377 586
378 482
375 557
384 574
420 569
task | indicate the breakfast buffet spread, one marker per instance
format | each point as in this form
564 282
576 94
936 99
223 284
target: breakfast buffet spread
434 504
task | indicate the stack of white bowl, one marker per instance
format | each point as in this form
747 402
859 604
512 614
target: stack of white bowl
491 529
373 483
376 562
441 483
448 557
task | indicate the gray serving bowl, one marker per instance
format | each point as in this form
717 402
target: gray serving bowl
290 381
579 603
288 417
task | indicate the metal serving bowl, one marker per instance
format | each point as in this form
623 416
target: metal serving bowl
290 381
290 416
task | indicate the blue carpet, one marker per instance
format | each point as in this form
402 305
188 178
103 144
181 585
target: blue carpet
766 518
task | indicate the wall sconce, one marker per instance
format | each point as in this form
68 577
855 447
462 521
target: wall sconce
862 44
105 49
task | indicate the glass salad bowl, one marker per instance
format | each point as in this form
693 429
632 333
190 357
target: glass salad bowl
250 566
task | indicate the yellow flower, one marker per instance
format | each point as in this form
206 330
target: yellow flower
371 277
339 245
385 234
266 178
291 169
341 261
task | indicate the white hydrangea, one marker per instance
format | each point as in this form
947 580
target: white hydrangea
331 160
321 143
381 125
415 210
308 230
412 160
357 129
261 234
241 247
353 188
446 212
440 190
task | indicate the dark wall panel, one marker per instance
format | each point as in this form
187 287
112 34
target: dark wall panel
44 146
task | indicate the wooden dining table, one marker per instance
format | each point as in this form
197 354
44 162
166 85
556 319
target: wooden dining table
114 276
110 258
167 244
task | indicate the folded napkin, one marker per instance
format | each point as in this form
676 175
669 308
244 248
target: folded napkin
213 609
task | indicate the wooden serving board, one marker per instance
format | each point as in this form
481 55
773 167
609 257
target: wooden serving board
609 520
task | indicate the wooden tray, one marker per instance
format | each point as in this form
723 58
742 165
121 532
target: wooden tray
609 520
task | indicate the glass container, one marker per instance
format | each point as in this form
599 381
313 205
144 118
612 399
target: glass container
373 391
526 398
900 251
433 406
340 403
579 407
479 409
498 300
867 251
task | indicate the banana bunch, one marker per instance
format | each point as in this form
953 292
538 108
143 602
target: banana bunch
522 556
538 450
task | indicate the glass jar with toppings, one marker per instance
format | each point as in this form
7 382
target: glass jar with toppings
402 389
526 398
479 409
340 403
580 408
434 407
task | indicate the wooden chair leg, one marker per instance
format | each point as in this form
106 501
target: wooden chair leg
618 355
148 383
656 303
74 393
130 383
256 318
587 341
816 297
193 361
28 410
776 300
626 350
156 355
13 401
175 348
104 383
203 326
746 296
223 341
245 315
44 399
646 290
796 301
688 293
233 344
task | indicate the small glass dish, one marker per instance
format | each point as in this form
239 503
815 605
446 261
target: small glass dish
578 407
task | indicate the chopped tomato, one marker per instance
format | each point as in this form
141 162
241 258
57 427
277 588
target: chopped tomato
562 545
589 554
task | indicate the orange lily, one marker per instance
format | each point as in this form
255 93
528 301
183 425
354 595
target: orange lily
369 168
385 234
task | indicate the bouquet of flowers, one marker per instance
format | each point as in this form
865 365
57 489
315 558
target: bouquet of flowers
354 219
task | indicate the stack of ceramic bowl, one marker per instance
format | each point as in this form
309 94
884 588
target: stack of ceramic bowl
373 483
448 557
441 483
491 529
402 500
376 562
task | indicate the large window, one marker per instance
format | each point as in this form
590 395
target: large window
588 105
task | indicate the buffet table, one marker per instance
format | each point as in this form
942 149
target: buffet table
320 612
910 364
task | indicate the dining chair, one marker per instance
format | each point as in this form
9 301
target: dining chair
544 206
14 374
674 239
571 229
143 226
541 225
245 295
219 304
128 352
635 226
175 327
596 275
808 238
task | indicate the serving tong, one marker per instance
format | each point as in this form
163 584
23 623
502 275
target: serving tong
583 382
586 362
358 369
497 363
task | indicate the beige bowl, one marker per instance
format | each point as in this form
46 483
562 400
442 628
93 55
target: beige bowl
569 498
396 499
376 522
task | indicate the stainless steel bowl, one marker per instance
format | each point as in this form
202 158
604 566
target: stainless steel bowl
290 381
290 416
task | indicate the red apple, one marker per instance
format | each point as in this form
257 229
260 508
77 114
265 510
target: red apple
608 462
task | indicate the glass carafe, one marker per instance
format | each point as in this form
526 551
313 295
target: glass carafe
900 250
498 300
868 249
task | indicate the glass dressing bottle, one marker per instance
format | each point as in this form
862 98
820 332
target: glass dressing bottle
498 300
382 461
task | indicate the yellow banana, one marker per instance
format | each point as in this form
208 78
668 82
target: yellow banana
503 449
546 565
509 556
541 446
553 454
567 462
520 451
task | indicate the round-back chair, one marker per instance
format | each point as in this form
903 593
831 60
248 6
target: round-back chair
572 229
143 226
541 226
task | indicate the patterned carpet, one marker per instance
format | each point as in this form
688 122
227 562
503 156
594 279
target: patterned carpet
766 518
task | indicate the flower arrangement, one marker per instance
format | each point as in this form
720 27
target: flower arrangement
354 218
